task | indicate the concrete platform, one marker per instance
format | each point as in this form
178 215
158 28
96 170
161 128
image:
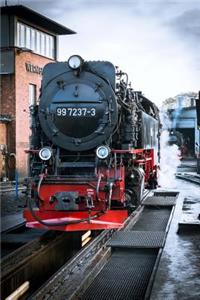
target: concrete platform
9 221
190 219
178 275
188 162
12 210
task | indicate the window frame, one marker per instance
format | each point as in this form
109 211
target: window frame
32 94
39 37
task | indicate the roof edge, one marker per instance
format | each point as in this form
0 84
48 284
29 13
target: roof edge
22 11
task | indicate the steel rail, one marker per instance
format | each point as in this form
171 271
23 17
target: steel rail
189 177
80 270
29 261
35 260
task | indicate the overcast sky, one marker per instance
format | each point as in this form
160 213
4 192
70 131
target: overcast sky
157 42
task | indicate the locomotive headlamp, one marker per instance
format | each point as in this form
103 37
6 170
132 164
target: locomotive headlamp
45 153
102 152
75 62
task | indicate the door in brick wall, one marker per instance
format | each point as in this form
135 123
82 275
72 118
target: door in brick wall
3 149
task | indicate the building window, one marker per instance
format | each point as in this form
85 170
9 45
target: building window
36 40
38 44
42 44
32 94
193 102
28 37
33 40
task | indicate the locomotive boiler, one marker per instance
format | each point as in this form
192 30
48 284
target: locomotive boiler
94 147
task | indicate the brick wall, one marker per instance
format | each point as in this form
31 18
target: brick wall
7 107
3 141
22 80
7 132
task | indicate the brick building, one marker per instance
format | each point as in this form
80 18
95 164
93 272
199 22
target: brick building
29 40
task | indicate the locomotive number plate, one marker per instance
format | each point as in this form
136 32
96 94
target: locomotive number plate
75 112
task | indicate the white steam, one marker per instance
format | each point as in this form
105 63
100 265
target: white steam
169 162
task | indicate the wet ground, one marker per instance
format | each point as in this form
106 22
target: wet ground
178 276
187 165
12 209
10 204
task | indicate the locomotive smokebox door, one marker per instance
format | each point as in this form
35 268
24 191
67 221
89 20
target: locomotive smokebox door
82 112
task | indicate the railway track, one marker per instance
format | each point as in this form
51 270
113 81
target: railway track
93 272
76 278
37 260
17 236
12 238
7 187
24 256
57 267
80 270
16 227
189 177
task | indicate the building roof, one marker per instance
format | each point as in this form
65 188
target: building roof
34 17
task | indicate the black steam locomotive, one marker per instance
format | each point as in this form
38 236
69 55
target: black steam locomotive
94 146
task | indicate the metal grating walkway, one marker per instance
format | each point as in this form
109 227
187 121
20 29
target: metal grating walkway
124 277
137 239
127 274
160 201
166 194
153 219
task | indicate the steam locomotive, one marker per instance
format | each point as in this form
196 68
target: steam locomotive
94 147
177 138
